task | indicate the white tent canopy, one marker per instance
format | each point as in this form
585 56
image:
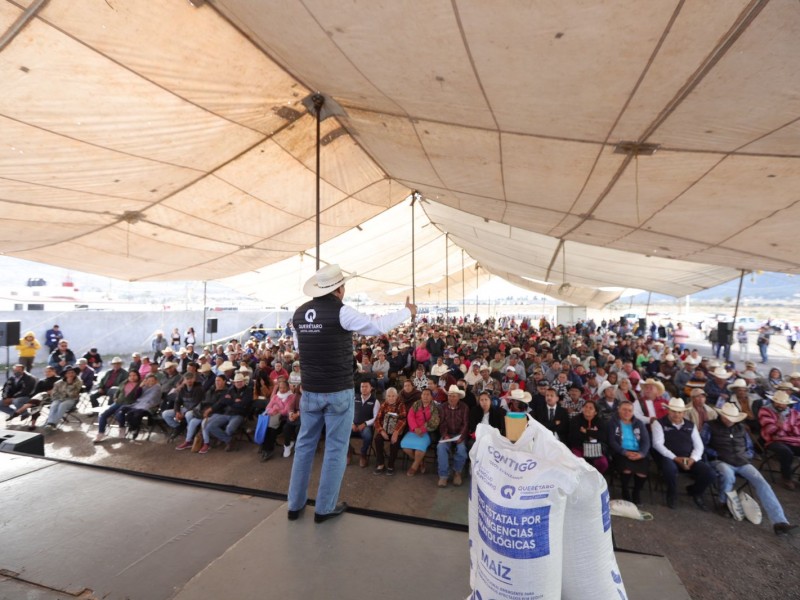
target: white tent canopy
158 141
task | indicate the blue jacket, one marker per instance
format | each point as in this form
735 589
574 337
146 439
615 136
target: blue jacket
615 436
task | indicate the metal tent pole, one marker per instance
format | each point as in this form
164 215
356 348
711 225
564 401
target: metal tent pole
318 100
738 296
463 288
446 277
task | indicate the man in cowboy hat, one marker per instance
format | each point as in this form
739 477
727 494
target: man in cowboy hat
453 427
679 447
728 440
227 414
652 404
780 428
717 386
111 380
323 330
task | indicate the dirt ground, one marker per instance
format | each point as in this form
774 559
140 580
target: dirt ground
714 557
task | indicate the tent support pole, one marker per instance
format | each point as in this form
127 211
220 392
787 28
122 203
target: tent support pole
414 198
205 309
318 100
21 22
463 293
738 297
446 278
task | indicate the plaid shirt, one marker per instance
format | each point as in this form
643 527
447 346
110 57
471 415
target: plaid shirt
573 408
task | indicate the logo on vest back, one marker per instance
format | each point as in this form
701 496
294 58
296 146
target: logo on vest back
309 326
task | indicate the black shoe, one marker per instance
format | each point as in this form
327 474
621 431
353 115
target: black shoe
783 528
700 503
390 471
265 456
340 508
672 502
293 515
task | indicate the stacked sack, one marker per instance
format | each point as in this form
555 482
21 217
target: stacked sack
533 503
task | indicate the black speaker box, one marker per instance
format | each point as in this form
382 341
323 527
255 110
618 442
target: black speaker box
724 332
27 442
9 333
211 326
643 326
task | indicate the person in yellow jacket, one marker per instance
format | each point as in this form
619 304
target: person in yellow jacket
27 348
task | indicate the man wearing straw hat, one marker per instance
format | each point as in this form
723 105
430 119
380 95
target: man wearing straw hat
323 330
679 446
729 440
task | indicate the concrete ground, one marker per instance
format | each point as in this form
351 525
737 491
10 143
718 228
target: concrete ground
714 557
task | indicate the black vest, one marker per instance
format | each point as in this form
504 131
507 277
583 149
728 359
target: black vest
364 410
326 348
729 442
678 441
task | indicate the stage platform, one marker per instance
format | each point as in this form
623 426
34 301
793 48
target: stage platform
71 531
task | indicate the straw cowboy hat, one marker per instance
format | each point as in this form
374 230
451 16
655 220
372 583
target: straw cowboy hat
227 366
519 395
604 386
738 383
454 389
782 398
720 373
731 412
677 405
656 383
324 281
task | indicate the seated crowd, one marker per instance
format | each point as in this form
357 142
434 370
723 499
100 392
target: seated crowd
618 400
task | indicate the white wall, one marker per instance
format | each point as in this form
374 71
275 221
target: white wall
125 332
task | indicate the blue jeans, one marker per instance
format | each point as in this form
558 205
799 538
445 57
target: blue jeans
59 408
222 427
762 348
192 425
16 403
727 477
169 417
366 436
443 457
106 415
335 411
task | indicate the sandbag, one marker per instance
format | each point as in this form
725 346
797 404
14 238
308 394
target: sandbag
517 498
588 547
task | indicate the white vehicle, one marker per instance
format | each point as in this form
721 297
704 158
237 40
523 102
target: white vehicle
749 323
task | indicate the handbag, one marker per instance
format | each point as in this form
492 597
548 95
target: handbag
261 429
592 449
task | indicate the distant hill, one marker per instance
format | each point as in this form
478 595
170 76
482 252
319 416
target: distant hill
766 286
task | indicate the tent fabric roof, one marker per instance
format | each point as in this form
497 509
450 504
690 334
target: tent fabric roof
161 141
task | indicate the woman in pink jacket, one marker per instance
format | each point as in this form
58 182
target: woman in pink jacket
283 402
780 428
423 419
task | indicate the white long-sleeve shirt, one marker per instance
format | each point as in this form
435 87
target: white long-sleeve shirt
352 320
658 441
